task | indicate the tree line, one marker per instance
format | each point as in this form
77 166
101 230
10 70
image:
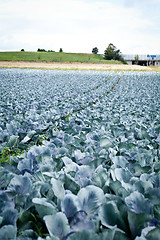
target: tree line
44 50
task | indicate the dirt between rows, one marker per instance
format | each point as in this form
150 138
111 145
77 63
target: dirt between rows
74 66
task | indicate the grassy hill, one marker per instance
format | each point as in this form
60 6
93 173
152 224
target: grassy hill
54 57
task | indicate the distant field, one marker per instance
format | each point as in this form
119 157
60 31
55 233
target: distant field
155 68
54 57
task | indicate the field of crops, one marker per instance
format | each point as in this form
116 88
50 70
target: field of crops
79 155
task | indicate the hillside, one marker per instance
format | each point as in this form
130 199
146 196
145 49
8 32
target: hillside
54 57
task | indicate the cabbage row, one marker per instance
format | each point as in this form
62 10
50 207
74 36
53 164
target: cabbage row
33 100
88 164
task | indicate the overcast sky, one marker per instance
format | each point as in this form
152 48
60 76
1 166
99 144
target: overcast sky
133 26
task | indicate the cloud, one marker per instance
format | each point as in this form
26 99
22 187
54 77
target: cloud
74 25
130 3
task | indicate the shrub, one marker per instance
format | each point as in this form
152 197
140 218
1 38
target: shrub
41 50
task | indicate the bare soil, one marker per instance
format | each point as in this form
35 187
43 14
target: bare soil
74 66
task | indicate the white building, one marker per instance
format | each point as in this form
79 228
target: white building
144 60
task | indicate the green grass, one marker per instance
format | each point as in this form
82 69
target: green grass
54 57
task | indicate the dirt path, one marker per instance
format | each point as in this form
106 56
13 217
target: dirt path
74 66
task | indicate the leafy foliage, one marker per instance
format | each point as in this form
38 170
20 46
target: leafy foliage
88 166
41 50
95 50
112 53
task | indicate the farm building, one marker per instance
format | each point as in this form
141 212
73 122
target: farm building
144 60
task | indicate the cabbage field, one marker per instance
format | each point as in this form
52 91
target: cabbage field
79 155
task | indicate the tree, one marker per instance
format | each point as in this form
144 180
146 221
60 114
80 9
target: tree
136 58
60 50
95 50
112 52
22 50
